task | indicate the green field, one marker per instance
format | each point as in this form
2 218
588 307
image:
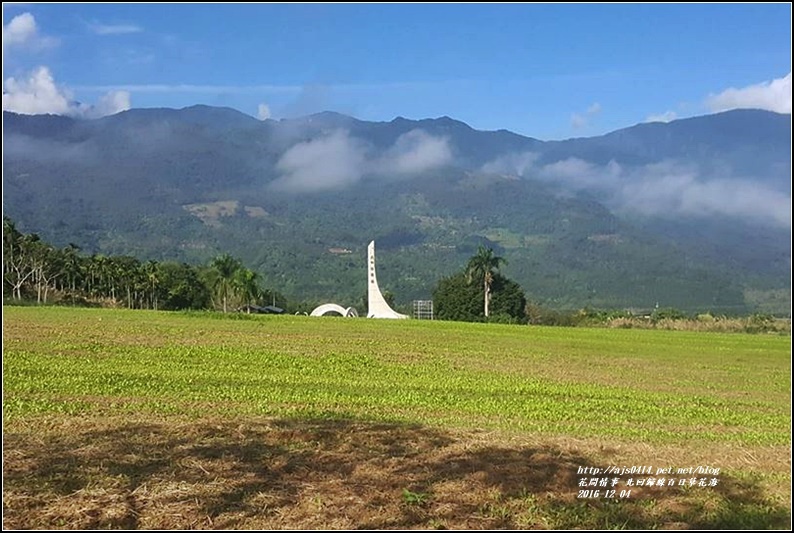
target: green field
138 380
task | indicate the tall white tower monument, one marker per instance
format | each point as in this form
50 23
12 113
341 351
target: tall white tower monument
378 308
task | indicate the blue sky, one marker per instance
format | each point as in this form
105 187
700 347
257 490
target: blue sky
544 70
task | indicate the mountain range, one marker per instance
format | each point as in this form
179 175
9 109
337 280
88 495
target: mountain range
693 214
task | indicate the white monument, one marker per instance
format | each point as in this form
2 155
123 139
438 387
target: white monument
376 303
378 308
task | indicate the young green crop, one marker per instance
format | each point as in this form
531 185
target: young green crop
638 385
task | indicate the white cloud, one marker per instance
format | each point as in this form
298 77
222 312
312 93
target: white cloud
666 188
416 151
24 147
21 29
670 189
569 169
39 94
580 120
667 116
35 95
23 32
518 164
337 160
113 29
331 162
774 96
263 112
109 104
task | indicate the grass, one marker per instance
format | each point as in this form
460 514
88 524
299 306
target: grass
130 418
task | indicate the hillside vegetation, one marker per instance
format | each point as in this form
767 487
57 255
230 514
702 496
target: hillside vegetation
653 214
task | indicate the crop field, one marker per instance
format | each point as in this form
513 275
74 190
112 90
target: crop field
142 419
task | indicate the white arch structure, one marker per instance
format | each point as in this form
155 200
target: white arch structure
334 308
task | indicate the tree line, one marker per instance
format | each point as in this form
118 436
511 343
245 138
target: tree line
34 270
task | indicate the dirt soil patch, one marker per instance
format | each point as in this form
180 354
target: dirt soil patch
258 473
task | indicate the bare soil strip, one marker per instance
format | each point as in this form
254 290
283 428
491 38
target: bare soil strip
147 472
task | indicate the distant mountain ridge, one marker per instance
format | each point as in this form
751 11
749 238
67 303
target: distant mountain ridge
692 213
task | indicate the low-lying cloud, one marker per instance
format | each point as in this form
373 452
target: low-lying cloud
667 116
415 152
666 188
17 146
512 163
338 160
263 112
684 193
331 162
38 94
773 95
108 104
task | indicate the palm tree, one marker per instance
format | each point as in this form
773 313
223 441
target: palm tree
13 259
246 285
72 266
482 267
224 267
150 271
98 272
11 241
